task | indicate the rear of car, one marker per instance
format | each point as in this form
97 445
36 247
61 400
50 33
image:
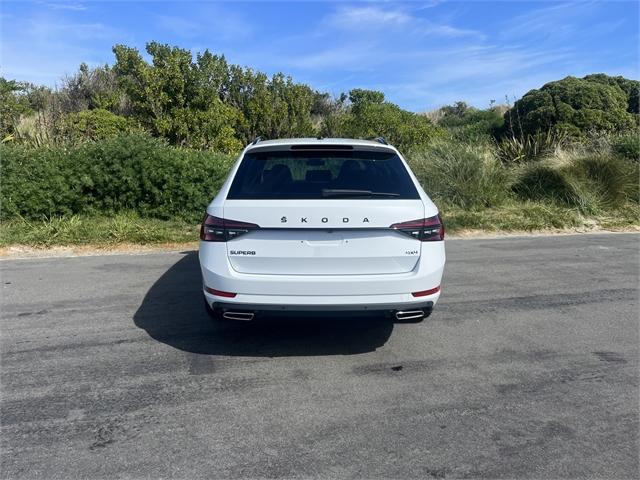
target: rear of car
310 225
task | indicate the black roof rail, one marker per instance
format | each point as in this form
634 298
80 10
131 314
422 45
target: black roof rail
256 140
381 140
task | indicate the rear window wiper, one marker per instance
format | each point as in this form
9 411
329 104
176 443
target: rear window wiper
335 192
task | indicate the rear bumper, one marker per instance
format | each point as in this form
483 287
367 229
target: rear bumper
271 307
321 290
360 303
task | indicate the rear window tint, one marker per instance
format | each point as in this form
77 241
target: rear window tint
312 174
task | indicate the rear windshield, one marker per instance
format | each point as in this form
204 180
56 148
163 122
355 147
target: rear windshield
322 174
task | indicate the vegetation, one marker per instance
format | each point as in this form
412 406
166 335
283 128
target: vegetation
201 103
133 152
123 227
129 172
514 150
577 107
370 116
464 175
467 124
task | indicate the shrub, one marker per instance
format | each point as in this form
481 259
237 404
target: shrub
469 124
95 124
590 183
36 181
514 150
461 174
576 106
627 146
130 172
545 181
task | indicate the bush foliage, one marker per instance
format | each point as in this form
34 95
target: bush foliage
627 146
371 116
130 172
577 106
470 124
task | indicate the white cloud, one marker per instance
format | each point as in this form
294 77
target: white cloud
373 18
45 47
557 21
367 17
74 6
208 21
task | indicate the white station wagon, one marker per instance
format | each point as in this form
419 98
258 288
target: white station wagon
321 225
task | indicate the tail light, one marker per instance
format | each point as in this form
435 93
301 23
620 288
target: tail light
426 229
214 229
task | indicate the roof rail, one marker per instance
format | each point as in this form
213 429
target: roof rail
256 140
381 140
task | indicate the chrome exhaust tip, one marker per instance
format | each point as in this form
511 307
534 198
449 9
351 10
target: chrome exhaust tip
409 314
242 316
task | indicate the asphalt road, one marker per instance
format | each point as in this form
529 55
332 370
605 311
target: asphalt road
527 368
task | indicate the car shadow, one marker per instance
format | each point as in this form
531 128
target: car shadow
172 312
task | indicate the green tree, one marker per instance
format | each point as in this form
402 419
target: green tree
10 108
14 103
177 98
273 107
371 116
576 106
92 88
359 97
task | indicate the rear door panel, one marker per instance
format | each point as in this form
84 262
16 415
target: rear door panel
324 237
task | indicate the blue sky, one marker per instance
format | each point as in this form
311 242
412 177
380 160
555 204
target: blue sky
421 54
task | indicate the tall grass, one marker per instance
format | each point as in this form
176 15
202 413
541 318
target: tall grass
589 176
465 175
591 182
513 150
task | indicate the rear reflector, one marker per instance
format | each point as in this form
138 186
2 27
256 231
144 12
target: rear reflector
424 293
219 293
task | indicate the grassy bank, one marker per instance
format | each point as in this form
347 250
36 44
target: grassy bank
125 227
138 190
129 228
